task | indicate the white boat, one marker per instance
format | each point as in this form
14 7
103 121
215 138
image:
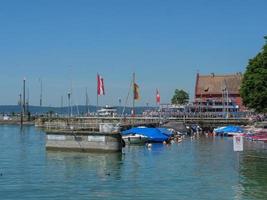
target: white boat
107 111
135 139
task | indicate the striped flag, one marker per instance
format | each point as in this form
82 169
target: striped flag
100 85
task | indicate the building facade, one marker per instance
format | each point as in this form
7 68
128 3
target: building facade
218 93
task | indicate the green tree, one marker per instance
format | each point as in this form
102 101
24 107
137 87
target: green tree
254 83
180 97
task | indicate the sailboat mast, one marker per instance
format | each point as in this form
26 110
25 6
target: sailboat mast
71 98
24 97
41 92
87 101
61 104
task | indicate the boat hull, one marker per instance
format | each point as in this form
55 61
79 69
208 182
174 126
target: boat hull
135 139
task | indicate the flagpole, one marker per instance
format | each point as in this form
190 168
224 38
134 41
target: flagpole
86 102
133 94
97 77
97 103
158 102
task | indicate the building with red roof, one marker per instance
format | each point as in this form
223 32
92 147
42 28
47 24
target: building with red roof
218 92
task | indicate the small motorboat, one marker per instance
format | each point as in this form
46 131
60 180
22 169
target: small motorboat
135 139
228 131
142 135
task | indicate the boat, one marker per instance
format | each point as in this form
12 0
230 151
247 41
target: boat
135 139
107 111
228 131
152 134
259 136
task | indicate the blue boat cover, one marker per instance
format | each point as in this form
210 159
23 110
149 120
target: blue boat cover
166 132
229 129
154 134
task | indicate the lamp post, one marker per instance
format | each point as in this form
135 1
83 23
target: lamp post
69 113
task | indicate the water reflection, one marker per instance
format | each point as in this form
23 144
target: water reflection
101 164
253 175
202 168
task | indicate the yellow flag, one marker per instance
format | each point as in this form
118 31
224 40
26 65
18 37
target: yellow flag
136 92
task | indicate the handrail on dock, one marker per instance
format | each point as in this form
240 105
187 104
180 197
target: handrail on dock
93 122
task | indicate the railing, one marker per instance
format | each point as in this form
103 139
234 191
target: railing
70 126
92 123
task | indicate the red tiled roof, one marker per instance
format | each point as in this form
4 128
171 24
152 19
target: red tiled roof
214 84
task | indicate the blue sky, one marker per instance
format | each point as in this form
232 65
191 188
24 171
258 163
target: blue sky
163 42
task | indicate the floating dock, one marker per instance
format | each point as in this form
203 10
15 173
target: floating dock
103 140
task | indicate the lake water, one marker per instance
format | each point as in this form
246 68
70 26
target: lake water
205 168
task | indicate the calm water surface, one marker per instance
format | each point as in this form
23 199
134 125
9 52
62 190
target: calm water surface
205 168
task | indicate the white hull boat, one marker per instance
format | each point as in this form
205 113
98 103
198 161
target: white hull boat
135 139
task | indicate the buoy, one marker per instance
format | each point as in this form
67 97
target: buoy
149 145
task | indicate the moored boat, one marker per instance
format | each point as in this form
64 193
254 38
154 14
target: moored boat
259 135
135 139
228 131
107 111
152 134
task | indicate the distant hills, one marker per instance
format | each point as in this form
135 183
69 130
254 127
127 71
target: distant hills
9 109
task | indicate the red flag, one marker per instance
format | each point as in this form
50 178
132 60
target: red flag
100 85
157 97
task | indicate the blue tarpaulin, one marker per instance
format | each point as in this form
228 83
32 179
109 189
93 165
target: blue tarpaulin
154 134
228 129
166 132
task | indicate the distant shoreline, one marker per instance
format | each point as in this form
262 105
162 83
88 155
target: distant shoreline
81 109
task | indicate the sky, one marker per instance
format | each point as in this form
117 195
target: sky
165 42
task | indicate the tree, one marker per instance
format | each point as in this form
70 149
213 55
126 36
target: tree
180 97
254 83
